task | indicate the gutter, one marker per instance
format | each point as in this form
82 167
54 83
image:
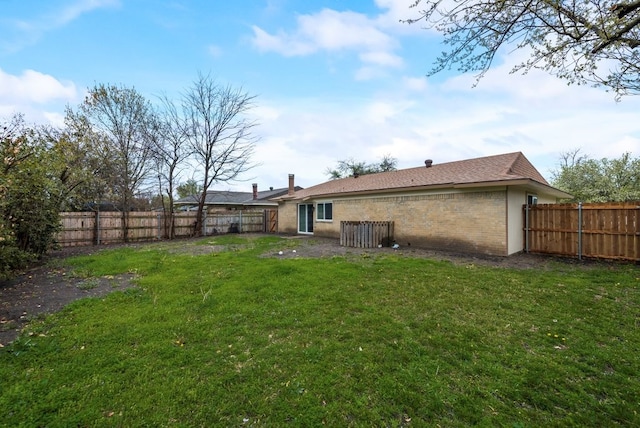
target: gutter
517 182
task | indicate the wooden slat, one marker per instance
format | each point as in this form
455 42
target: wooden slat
609 230
365 234
80 228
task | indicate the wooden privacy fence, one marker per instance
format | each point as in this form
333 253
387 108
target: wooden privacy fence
366 234
609 230
233 222
95 228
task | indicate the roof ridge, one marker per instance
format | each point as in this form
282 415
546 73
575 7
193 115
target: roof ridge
512 164
505 167
527 170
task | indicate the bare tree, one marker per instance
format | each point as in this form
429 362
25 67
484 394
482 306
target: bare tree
122 118
571 158
170 153
584 42
220 135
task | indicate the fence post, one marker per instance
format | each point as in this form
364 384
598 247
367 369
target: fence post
159 227
97 228
240 223
579 230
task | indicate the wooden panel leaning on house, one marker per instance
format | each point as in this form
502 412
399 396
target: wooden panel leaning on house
366 234
95 228
606 230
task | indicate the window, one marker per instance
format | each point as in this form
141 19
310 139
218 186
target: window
324 211
532 199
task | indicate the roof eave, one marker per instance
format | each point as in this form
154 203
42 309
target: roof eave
497 183
260 203
556 193
378 191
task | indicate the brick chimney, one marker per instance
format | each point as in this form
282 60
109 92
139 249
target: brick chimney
255 191
291 185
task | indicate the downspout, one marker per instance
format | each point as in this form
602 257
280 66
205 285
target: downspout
526 228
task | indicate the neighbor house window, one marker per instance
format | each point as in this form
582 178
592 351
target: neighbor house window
532 199
324 211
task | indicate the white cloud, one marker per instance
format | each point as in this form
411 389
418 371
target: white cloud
327 30
396 12
368 73
214 51
35 94
34 87
26 32
265 113
54 118
281 43
446 122
384 59
536 113
333 31
379 112
74 10
416 84
535 85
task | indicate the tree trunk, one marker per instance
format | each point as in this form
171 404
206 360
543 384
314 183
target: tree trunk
199 216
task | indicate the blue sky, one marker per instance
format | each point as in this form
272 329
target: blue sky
333 80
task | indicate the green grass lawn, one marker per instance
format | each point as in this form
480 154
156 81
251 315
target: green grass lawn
234 339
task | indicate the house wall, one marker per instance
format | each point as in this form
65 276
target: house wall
468 221
288 217
516 198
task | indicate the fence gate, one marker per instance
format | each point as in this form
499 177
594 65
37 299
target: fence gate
271 221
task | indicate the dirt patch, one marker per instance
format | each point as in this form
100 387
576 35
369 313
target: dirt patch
46 289
302 246
49 287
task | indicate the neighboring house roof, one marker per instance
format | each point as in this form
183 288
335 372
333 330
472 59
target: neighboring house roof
505 169
228 197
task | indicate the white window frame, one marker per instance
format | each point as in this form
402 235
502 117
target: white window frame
323 210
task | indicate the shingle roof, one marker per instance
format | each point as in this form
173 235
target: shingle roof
228 197
481 171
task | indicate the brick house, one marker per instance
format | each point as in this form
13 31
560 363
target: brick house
472 205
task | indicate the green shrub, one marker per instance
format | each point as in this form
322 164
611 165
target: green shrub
12 259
